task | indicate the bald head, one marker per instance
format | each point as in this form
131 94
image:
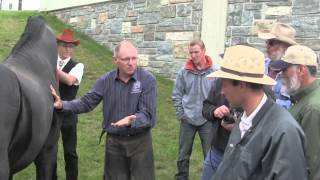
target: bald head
125 57
123 45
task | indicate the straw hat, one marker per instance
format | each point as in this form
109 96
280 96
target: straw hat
68 37
243 63
300 55
281 32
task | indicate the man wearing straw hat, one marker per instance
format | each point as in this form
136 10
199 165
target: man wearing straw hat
300 81
267 143
278 40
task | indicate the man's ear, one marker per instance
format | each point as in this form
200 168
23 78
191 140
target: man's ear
114 59
300 68
304 69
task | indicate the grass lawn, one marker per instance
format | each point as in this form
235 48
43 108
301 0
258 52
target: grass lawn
97 61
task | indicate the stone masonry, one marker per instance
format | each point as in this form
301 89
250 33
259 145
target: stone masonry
247 17
161 29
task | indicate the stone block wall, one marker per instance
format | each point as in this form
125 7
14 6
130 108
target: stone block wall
247 17
161 29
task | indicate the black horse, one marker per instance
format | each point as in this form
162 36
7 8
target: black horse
26 104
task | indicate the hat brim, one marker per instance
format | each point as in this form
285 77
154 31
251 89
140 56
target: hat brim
76 42
265 80
268 36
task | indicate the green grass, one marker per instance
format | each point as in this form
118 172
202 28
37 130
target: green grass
97 60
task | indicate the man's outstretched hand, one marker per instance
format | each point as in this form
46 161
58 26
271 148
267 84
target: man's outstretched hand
124 122
57 103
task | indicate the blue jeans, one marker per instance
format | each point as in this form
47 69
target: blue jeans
211 163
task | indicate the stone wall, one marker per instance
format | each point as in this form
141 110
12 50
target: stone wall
161 29
247 17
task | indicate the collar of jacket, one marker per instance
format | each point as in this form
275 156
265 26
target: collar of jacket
190 66
296 97
255 121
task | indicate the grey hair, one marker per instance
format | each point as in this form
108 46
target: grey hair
117 48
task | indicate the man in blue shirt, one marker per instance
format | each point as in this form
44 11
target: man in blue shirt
128 94
278 40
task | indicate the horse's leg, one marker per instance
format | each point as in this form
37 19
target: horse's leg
46 161
4 165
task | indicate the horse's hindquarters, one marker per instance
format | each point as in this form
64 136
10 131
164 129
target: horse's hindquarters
9 110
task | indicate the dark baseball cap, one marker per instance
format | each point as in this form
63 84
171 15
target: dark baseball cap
279 65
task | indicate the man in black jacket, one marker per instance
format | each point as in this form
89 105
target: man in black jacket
216 109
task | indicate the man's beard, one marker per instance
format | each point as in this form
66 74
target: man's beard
291 84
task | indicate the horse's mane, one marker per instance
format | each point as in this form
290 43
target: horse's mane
36 50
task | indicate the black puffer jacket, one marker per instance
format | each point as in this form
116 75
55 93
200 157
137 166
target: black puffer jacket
213 101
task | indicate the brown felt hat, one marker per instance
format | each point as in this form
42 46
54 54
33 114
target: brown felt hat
68 37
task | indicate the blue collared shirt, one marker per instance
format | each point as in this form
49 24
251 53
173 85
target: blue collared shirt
120 99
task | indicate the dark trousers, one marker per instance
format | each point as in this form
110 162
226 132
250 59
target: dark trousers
69 140
129 158
46 160
186 138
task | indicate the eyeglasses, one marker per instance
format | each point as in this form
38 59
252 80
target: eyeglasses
67 45
127 59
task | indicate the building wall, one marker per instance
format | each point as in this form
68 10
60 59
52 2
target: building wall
247 17
161 29
9 5
26 5
49 5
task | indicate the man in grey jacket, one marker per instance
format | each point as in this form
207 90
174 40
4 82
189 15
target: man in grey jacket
191 88
267 143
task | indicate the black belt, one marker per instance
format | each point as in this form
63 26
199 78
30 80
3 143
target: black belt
128 135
